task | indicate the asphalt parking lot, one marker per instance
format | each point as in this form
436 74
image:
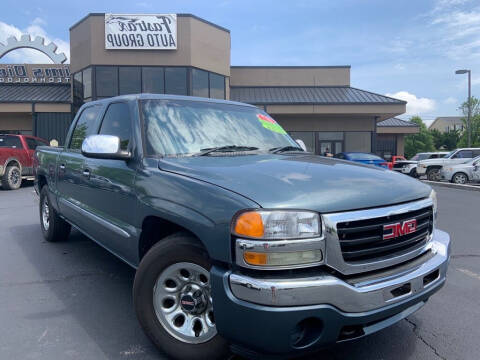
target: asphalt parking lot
73 300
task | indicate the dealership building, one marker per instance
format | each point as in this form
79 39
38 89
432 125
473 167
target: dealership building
182 54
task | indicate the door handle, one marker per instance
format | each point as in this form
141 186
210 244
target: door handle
62 166
86 173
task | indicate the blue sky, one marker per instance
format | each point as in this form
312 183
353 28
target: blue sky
407 49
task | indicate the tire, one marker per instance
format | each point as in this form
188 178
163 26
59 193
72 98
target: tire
158 277
54 228
459 178
12 178
433 174
413 173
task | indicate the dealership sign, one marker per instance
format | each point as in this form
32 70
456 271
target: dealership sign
34 74
141 32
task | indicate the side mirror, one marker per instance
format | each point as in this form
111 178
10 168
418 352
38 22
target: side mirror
104 147
301 144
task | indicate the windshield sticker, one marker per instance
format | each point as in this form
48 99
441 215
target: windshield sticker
270 124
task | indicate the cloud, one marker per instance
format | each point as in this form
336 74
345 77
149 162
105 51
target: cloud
415 105
35 28
450 100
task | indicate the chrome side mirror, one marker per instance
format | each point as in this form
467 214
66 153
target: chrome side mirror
301 144
104 147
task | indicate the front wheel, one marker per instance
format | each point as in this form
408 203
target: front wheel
459 178
173 301
433 174
12 178
413 173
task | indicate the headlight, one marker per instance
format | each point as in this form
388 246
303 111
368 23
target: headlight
433 196
278 239
277 225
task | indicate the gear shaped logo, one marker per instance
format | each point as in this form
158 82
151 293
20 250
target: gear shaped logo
38 44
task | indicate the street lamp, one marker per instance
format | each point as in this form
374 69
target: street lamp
469 131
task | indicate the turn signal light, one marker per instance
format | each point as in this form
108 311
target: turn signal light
249 224
283 258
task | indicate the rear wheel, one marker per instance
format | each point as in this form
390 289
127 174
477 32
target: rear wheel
12 178
460 178
173 301
433 174
54 228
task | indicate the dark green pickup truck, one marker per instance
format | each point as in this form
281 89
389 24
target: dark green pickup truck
242 241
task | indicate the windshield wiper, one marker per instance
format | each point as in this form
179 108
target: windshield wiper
226 148
285 148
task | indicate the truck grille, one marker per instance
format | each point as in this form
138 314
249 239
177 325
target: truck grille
363 239
398 165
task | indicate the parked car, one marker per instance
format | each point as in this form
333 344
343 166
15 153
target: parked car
432 167
255 246
16 159
409 167
461 173
396 159
363 158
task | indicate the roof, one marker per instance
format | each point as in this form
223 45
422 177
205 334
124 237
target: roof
306 95
35 93
447 120
396 122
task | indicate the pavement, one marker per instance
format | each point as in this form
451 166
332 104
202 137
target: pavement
73 300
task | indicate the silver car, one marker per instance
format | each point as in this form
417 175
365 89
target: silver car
462 173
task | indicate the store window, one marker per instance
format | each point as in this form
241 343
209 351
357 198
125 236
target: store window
360 141
199 83
176 81
129 79
152 80
106 81
308 137
87 83
217 86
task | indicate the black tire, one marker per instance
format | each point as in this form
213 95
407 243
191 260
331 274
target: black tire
433 174
459 178
413 173
174 249
57 229
12 178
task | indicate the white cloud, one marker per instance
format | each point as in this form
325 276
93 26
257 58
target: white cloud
450 100
36 28
415 105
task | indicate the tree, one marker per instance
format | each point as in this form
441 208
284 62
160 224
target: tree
446 140
421 142
475 122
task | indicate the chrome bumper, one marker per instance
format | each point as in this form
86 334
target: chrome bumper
357 293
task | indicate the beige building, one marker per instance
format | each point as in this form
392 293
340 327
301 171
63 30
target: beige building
447 123
182 54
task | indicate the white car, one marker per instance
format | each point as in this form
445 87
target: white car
409 167
432 167
462 173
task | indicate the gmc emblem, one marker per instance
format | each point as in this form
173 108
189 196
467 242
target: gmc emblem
393 231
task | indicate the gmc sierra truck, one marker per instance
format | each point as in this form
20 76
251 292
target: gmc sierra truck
241 240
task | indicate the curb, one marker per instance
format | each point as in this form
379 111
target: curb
453 186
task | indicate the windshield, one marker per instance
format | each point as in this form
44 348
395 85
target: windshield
450 153
473 160
183 127
363 156
419 157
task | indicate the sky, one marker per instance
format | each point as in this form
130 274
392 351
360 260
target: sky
406 49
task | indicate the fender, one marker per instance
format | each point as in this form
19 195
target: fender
12 158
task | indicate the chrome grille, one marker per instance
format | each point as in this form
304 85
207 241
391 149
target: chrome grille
363 240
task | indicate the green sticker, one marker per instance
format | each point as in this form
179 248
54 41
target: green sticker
272 127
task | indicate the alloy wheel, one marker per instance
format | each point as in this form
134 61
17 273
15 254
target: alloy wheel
45 214
183 303
459 179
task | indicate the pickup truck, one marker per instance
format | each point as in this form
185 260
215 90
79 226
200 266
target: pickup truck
394 161
16 159
432 167
241 240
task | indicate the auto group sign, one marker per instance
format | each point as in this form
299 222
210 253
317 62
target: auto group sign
141 32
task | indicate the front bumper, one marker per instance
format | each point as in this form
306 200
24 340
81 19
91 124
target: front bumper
285 316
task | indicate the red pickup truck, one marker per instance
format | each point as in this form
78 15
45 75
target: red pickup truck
16 158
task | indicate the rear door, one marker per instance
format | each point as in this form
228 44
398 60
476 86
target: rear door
461 156
111 197
71 181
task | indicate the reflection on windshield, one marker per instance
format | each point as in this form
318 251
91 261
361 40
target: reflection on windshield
182 127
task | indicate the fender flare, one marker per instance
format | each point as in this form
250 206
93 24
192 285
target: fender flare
12 158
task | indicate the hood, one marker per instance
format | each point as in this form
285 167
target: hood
432 161
307 182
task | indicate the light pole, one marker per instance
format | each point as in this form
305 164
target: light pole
469 130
